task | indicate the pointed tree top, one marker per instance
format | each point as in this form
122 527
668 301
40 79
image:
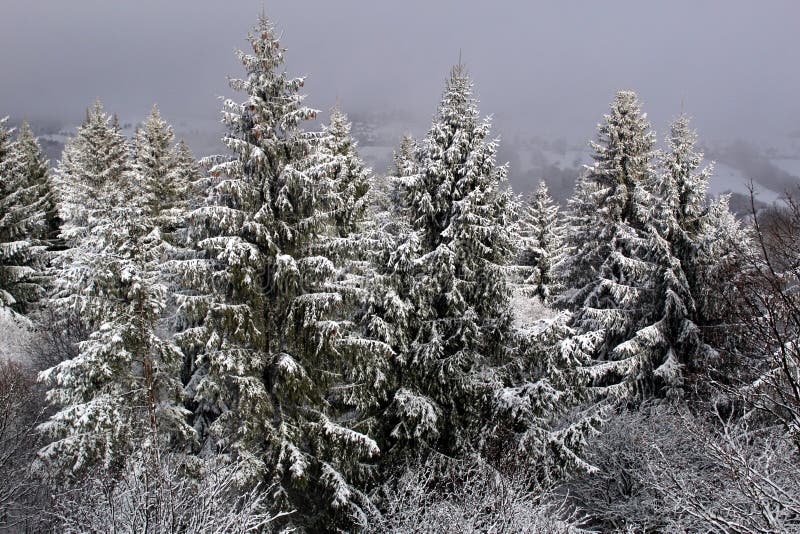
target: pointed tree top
459 71
96 113
542 188
25 129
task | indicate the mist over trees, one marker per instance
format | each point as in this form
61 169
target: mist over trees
277 338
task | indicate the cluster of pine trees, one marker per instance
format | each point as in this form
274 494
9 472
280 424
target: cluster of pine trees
282 309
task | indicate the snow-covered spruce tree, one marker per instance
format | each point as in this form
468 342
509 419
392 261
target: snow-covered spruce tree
31 163
388 216
405 165
542 245
405 158
351 242
272 354
535 422
187 173
674 246
723 246
682 185
355 242
449 373
704 235
395 249
124 383
122 390
23 204
687 245
618 332
388 311
163 173
167 177
351 176
88 183
89 176
390 316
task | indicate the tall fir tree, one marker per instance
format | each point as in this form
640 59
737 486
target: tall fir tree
682 184
351 175
168 179
388 216
405 165
723 245
389 310
89 176
688 212
616 331
89 182
122 389
23 225
273 354
680 210
163 173
31 163
395 249
187 173
693 241
542 243
460 219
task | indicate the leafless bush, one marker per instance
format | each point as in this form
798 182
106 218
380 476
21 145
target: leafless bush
733 479
619 495
768 304
21 408
55 338
662 469
171 498
473 497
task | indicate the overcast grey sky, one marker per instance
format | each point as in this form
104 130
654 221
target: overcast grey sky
548 68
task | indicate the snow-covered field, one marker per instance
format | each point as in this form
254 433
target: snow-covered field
790 165
727 179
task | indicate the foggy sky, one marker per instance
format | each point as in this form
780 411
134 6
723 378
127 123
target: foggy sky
545 68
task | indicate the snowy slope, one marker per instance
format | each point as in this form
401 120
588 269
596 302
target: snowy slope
790 165
727 179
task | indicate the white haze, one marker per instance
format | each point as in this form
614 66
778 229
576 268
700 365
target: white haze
541 68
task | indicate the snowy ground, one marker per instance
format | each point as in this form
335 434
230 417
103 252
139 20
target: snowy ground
529 312
14 336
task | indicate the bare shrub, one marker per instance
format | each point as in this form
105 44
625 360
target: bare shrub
472 497
175 497
21 409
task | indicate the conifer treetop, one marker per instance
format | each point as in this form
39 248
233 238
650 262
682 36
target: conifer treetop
623 155
23 206
683 184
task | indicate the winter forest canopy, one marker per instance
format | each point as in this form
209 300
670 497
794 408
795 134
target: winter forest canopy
280 338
